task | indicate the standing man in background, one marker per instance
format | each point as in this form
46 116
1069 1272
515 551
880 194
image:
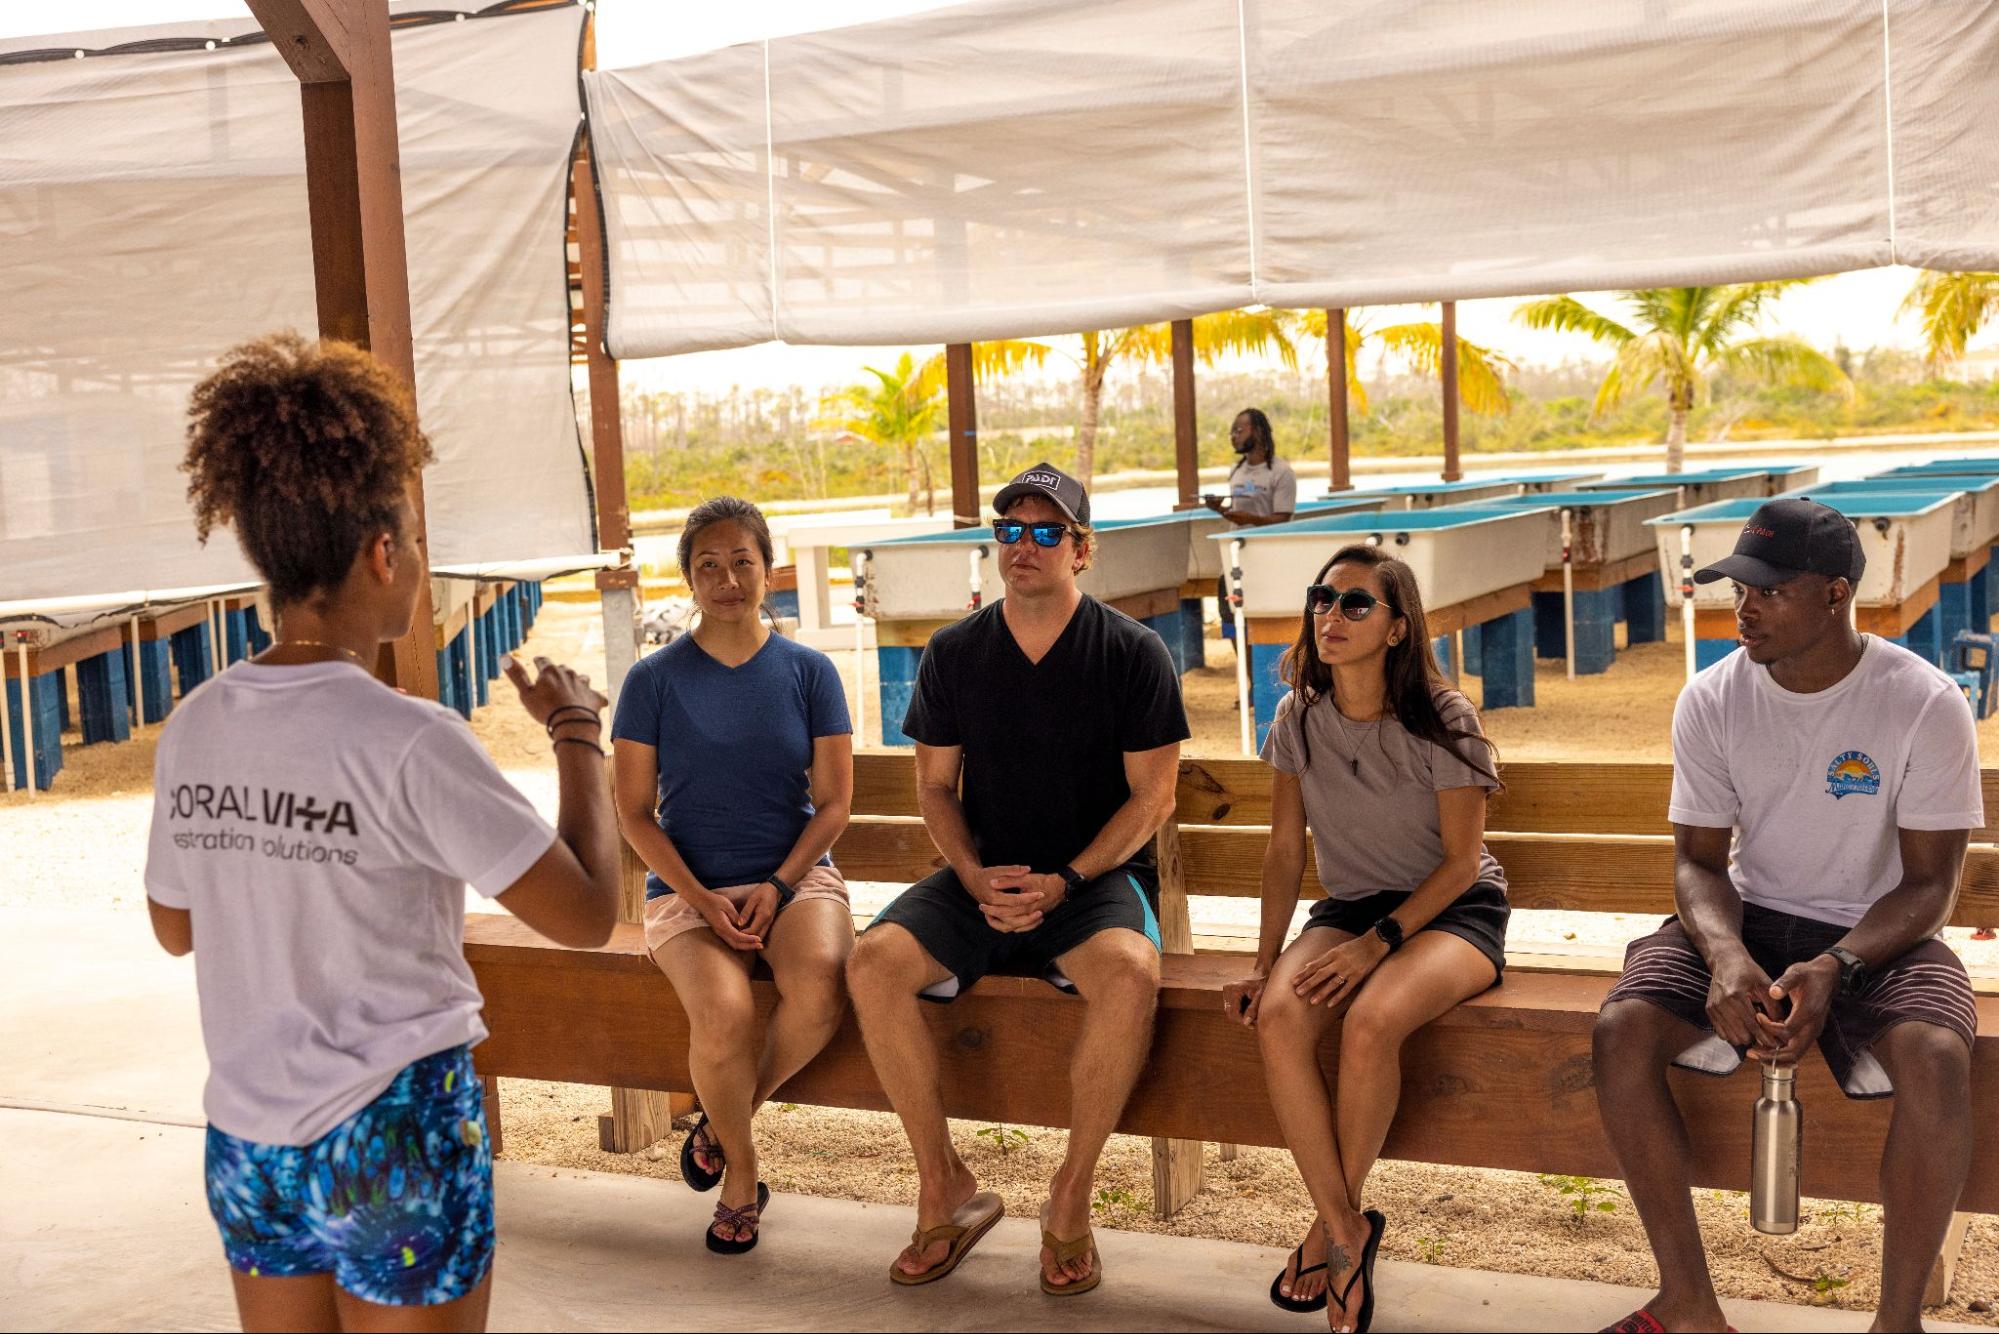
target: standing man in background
1262 488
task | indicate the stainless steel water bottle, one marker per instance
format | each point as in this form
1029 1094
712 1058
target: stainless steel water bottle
1777 1141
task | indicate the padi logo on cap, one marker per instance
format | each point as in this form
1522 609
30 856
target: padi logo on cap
1048 479
1852 774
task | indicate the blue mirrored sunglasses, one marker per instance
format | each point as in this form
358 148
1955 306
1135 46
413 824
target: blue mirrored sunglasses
1010 531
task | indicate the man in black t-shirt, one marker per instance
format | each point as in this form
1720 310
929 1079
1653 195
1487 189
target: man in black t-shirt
1063 719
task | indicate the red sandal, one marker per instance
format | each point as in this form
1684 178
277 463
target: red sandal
1643 1321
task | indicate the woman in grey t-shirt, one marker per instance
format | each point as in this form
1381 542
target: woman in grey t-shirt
1384 762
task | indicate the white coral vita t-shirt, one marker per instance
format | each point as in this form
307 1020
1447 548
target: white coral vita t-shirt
322 828
1815 786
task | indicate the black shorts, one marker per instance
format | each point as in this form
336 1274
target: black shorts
947 922
1927 985
1478 915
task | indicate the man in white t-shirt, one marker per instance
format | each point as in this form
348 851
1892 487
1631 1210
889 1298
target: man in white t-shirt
1824 786
1263 489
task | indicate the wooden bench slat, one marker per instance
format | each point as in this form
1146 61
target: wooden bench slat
609 1015
1540 797
1597 873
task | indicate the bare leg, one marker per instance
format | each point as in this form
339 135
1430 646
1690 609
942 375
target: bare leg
304 1302
713 984
1290 1033
1635 1041
888 968
1118 973
1430 975
1924 1164
467 1315
807 955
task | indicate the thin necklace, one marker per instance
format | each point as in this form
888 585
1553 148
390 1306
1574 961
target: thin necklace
320 643
1340 719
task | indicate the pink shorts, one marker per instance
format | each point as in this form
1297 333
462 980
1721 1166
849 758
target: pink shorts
669 915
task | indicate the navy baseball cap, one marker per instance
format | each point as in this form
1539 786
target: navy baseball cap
1786 538
1045 479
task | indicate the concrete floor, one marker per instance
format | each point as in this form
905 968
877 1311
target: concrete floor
103 1224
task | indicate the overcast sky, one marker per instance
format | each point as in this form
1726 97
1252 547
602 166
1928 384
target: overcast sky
1858 309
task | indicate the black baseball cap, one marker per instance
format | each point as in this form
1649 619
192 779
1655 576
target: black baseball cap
1786 538
1045 479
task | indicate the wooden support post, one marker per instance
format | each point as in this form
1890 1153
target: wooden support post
1186 444
617 588
1336 401
639 1118
961 393
339 50
1937 1291
1178 1172
1453 472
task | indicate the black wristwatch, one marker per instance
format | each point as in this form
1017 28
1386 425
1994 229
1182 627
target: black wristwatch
1071 877
1390 932
1852 969
784 891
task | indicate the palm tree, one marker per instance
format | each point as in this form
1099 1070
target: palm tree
901 409
1954 308
904 407
1481 371
1215 336
1680 337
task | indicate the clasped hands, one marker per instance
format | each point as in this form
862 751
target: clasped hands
1777 1021
1014 898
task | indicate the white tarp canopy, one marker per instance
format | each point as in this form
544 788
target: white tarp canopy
1014 168
153 214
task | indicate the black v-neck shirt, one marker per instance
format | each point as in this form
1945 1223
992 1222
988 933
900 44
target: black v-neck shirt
1045 742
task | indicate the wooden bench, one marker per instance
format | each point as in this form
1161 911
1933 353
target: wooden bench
1503 1081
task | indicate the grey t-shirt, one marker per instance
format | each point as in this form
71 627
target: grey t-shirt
1376 829
1263 489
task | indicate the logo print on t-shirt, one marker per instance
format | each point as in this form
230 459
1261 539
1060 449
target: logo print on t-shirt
1853 773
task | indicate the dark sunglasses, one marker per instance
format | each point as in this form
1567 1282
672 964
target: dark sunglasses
1356 604
1009 531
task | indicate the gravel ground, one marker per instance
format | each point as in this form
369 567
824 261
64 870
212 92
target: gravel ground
83 846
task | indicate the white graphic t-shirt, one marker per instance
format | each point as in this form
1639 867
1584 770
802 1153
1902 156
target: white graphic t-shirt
1815 786
1263 489
322 829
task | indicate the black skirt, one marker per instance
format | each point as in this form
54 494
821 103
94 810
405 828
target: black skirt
1478 915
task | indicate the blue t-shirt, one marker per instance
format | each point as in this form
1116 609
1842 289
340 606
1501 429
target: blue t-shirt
735 751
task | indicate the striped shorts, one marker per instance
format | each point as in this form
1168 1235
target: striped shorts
1927 985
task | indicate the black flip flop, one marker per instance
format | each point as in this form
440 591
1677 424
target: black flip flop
1377 1223
1283 1303
690 1169
749 1213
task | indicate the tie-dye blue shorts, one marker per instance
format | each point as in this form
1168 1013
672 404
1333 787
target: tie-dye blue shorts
396 1202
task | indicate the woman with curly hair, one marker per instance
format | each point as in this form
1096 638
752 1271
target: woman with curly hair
1384 762
313 834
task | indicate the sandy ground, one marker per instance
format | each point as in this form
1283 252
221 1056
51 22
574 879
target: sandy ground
83 845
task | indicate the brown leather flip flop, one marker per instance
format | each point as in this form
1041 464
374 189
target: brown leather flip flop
975 1218
1064 1251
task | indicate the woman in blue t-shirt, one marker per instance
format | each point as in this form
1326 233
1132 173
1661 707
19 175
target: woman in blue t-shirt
735 773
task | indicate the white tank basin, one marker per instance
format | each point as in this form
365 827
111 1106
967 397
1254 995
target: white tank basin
1975 503
930 578
1605 527
1457 554
1906 539
1695 488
